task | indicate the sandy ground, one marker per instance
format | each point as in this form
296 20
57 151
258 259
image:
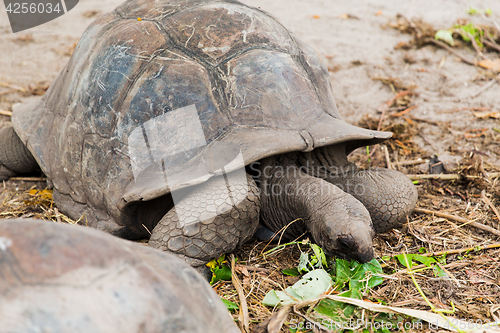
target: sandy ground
357 49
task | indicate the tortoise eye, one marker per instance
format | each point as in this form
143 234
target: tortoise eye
347 243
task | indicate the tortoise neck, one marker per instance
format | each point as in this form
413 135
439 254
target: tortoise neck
326 161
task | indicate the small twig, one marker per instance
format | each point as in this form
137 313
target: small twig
29 179
437 177
492 45
425 120
388 104
458 251
253 268
485 87
449 49
489 203
421 292
474 44
6 113
467 109
382 115
414 162
8 92
449 274
12 86
58 217
243 318
387 159
384 107
402 113
450 176
459 219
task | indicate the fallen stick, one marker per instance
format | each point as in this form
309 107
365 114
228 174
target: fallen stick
467 249
449 49
387 105
485 87
467 109
387 159
493 46
6 113
253 268
451 176
489 203
414 162
459 219
402 113
12 86
425 120
244 318
29 179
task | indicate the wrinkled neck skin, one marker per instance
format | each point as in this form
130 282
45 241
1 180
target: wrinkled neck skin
326 162
337 221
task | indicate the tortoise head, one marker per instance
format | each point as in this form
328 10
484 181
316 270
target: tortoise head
344 229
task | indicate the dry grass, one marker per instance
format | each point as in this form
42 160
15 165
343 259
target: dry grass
473 284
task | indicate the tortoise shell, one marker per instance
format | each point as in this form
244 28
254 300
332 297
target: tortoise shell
58 277
160 95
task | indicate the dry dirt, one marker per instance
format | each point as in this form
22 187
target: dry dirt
357 40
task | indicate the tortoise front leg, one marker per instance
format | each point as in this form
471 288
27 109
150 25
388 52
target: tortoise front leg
15 158
210 219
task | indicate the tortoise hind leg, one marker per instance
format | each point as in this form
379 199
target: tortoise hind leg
15 158
210 219
388 195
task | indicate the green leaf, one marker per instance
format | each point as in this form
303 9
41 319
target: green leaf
311 285
271 299
320 254
422 250
472 11
438 271
221 259
365 275
303 261
330 308
386 258
343 272
291 271
231 306
442 259
446 36
220 273
471 29
427 261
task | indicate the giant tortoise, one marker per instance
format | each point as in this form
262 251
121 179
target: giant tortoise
188 121
64 278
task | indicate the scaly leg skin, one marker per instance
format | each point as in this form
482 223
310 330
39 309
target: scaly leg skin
15 158
388 195
210 219
338 222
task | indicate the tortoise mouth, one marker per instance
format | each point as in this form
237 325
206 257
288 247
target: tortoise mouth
360 257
